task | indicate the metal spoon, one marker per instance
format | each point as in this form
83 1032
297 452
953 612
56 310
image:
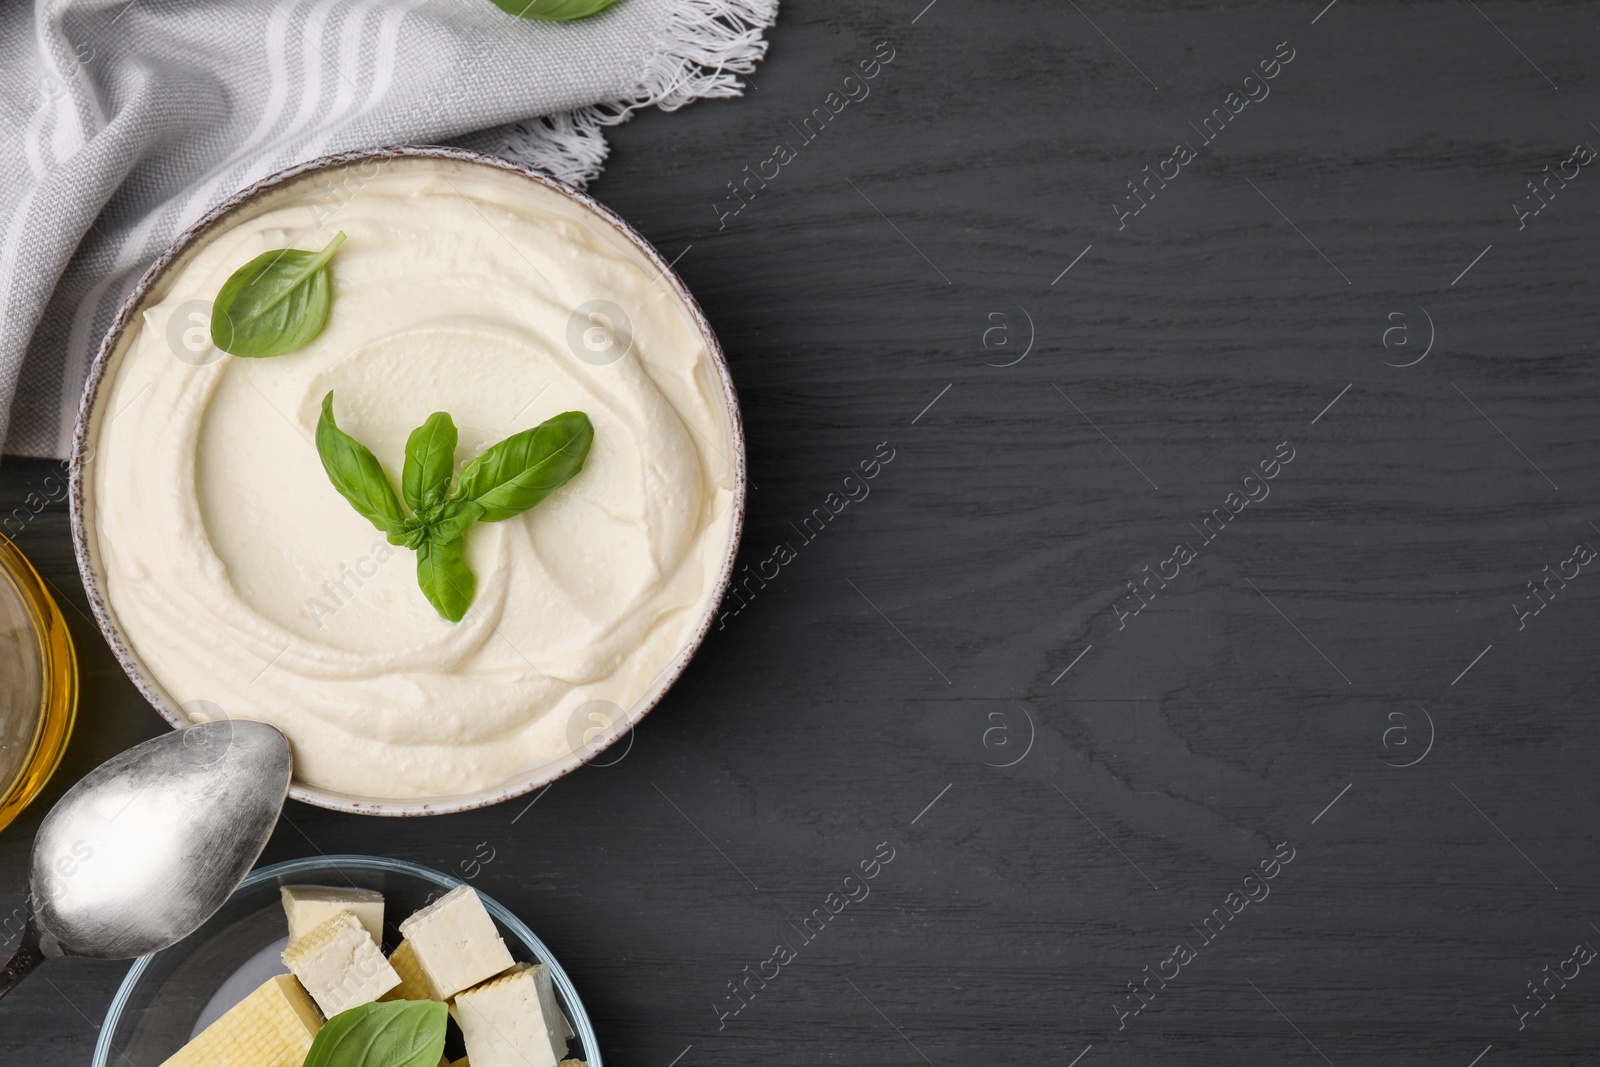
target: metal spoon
151 843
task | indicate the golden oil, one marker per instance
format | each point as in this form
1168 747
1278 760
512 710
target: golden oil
38 683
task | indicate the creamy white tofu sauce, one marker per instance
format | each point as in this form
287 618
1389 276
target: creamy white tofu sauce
249 587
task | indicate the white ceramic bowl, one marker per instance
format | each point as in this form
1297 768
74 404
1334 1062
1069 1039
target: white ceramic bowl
243 206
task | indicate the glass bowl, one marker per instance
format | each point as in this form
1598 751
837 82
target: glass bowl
38 683
171 995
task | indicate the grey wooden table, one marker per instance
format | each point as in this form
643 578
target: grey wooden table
1176 762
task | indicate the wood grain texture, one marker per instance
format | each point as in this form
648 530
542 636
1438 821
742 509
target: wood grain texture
923 638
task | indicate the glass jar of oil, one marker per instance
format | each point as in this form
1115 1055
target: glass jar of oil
38 683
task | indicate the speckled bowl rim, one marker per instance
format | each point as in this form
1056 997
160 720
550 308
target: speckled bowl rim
112 347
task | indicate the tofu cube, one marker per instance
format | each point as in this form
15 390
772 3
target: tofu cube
309 906
340 965
456 943
513 1021
272 1027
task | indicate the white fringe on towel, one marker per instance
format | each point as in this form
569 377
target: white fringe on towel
703 49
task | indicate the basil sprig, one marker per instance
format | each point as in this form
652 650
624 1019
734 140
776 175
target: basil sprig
553 10
506 479
397 1033
275 304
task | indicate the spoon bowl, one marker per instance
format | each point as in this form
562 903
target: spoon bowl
151 843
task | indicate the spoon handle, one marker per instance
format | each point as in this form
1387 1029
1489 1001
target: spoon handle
22 962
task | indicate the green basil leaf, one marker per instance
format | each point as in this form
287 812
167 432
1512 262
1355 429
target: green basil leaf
453 519
510 477
398 1033
553 10
274 304
445 578
357 474
430 462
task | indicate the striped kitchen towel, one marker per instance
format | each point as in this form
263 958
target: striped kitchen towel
122 121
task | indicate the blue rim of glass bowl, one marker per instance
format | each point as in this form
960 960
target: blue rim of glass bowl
569 995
